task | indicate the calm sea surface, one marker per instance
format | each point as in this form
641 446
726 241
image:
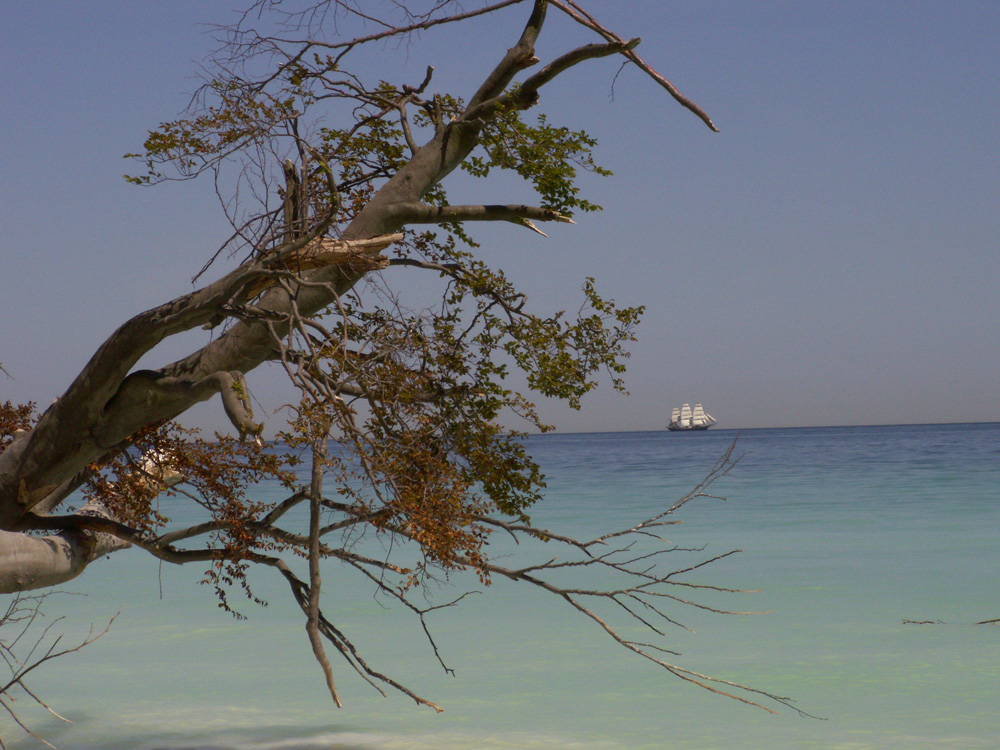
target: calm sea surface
847 533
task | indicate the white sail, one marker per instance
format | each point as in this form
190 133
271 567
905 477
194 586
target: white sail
685 420
675 415
700 418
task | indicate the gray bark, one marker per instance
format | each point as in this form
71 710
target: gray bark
106 404
109 401
32 562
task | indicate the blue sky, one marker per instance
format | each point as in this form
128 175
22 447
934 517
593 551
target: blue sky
830 257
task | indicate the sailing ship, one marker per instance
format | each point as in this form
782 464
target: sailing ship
685 419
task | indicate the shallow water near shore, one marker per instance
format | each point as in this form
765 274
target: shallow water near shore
848 533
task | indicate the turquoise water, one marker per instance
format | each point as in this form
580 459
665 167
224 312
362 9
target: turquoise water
846 532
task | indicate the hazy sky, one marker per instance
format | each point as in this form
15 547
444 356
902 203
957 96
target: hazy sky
830 257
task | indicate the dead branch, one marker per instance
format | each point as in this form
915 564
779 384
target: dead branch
23 649
578 14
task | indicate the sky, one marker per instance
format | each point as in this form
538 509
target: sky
829 258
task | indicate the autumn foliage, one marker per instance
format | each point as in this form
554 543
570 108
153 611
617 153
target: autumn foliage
355 271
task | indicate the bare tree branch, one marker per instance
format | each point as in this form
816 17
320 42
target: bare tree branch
578 14
18 626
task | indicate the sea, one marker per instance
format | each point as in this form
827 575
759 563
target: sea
873 555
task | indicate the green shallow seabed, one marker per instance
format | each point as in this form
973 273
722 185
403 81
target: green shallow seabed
841 556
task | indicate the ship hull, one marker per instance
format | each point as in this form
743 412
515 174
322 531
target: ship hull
693 428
